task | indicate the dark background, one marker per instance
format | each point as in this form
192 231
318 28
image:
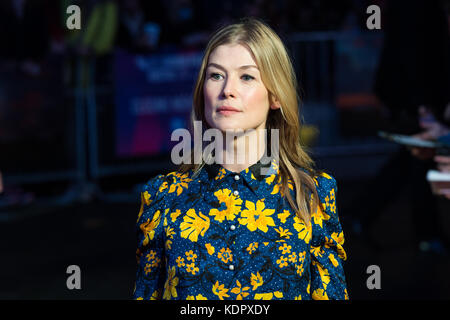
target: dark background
70 200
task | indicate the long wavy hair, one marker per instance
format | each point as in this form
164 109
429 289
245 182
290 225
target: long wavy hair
278 76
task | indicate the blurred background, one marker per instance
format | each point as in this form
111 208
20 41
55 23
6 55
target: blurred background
86 117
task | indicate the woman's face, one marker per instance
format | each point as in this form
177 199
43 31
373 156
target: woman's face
234 95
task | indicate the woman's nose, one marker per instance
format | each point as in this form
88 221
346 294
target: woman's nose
229 88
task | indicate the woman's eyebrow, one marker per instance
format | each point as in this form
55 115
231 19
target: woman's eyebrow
212 64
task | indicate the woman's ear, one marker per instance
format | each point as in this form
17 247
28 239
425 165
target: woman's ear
275 105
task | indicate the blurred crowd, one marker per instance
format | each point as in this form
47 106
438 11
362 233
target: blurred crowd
31 29
34 33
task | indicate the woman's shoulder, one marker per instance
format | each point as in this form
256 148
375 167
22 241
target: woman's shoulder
166 183
325 182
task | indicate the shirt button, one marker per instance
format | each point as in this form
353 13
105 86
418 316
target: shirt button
231 267
236 177
232 227
236 192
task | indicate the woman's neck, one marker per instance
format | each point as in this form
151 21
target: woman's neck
241 150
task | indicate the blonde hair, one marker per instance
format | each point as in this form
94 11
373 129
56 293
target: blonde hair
278 76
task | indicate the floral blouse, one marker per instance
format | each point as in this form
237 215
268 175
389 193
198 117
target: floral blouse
226 235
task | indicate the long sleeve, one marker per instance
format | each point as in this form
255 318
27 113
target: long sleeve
150 275
327 252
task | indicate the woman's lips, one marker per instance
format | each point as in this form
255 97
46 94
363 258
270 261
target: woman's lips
226 110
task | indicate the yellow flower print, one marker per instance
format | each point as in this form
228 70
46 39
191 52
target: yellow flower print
147 268
278 187
319 215
301 257
240 291
275 165
282 262
268 296
252 247
210 249
180 262
194 225
320 294
180 183
270 179
170 232
146 198
327 201
168 245
317 251
220 290
292 257
339 239
324 275
163 186
174 215
333 207
148 227
198 297
256 281
304 232
299 297
323 174
283 216
283 233
151 255
333 260
275 190
191 268
156 262
285 248
315 181
345 294
221 174
170 285
257 218
233 205
225 255
156 295
190 255
299 269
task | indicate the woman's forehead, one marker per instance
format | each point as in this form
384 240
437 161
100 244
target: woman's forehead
231 55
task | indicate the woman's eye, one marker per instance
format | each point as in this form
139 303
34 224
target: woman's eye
215 76
247 77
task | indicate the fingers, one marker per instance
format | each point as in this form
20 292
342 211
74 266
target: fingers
442 160
445 193
422 153
443 163
443 168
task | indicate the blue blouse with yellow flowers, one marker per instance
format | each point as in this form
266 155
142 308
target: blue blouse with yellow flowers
226 235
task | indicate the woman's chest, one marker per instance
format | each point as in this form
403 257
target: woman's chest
228 233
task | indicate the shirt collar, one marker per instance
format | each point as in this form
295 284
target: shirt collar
253 175
259 170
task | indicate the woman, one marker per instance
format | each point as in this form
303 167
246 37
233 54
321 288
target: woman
226 231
